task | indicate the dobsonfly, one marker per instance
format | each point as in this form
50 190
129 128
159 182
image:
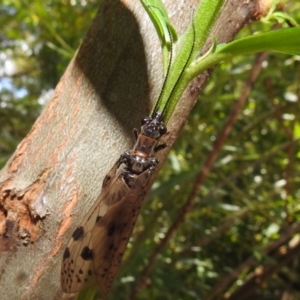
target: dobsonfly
98 243
95 250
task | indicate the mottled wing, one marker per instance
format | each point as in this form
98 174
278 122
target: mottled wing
112 232
76 271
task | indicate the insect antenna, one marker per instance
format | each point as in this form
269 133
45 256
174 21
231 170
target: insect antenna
180 75
167 74
168 71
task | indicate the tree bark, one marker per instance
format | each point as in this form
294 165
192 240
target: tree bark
56 173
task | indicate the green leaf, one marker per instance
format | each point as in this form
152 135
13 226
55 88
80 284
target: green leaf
161 21
165 30
282 40
281 17
191 43
88 294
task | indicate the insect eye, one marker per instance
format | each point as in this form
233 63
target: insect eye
144 120
162 129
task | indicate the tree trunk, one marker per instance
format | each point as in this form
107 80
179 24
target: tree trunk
56 173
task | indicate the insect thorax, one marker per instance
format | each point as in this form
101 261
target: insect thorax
136 165
141 158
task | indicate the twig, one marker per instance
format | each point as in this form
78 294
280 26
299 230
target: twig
250 262
283 255
291 148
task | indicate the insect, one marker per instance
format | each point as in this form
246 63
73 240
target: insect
97 245
95 250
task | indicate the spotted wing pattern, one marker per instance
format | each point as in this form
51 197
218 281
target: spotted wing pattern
97 245
77 272
112 232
